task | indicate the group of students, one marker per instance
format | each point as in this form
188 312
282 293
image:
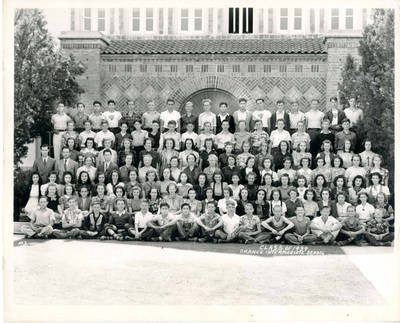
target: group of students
254 176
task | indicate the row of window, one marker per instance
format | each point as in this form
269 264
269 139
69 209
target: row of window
143 68
240 21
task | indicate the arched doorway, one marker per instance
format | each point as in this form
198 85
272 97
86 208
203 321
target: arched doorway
216 95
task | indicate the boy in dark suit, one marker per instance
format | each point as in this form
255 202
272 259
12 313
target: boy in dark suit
280 113
65 164
44 165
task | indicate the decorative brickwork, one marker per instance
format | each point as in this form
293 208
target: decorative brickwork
299 76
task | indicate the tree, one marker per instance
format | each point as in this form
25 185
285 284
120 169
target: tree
373 82
42 76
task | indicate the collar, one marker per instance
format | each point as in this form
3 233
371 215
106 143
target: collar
223 116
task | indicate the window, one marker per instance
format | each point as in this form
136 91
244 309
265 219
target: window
143 68
297 18
220 17
247 21
204 68
158 68
312 21
87 20
261 20
149 19
210 20
284 19
189 68
251 68
220 68
184 19
161 21
121 20
270 20
233 20
198 19
170 22
128 68
101 20
112 68
267 69
174 68
298 68
335 19
72 19
315 68
321 20
236 68
112 21
364 17
136 19
349 18
282 68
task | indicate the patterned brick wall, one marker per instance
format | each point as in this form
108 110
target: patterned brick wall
273 77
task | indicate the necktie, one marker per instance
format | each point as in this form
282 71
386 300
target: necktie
44 162
65 164
105 167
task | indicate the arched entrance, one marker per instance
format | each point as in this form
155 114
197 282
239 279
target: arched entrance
216 95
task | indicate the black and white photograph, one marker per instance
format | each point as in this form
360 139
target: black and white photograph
200 161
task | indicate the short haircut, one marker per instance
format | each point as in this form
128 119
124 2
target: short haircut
223 103
171 100
80 103
163 204
279 102
260 99
107 151
110 101
96 102
333 98
242 100
185 204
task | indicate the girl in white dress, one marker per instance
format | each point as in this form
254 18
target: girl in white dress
34 194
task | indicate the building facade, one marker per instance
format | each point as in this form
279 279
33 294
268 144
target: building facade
142 54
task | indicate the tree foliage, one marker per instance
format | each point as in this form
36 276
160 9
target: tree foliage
42 76
373 82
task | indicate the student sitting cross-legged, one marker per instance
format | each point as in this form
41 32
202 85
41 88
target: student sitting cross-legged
71 221
142 231
249 226
377 230
352 229
228 225
276 225
325 227
42 220
119 222
301 232
93 224
164 224
207 222
186 224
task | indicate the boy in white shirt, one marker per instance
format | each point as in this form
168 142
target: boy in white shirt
261 113
295 115
314 120
42 221
112 116
229 224
105 133
189 134
325 227
278 135
142 231
207 116
164 224
170 115
223 137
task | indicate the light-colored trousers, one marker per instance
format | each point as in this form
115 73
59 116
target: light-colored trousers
31 229
57 143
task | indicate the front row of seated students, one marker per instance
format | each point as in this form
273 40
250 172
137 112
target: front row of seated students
183 224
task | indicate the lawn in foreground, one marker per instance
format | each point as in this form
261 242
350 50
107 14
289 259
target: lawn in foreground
74 272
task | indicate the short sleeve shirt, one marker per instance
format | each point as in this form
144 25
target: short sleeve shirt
162 220
278 136
112 118
376 227
301 227
314 119
249 223
167 116
350 225
263 115
230 224
60 121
